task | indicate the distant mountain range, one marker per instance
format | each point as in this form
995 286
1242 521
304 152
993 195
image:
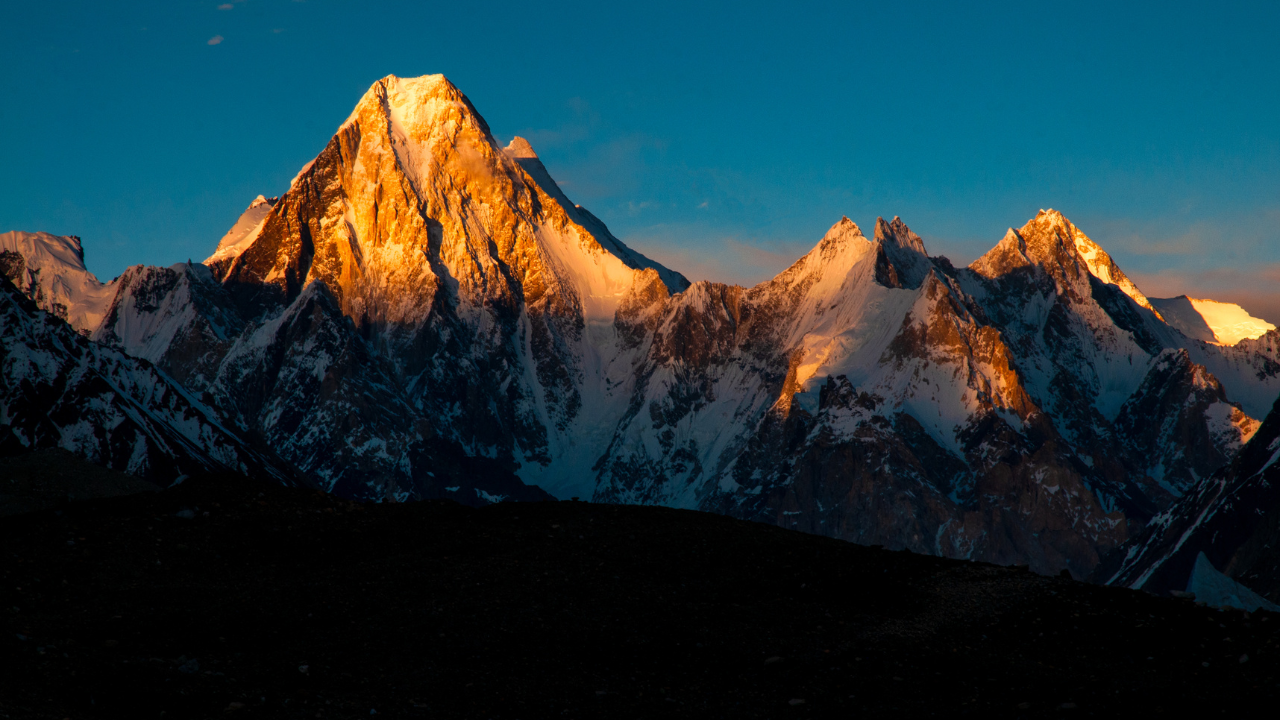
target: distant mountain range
424 314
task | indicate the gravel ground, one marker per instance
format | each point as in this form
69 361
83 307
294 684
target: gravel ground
222 597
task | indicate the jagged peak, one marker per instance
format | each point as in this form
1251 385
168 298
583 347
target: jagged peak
902 260
1049 227
1052 216
491 206
898 233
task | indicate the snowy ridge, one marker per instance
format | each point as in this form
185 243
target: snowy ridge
522 153
1211 321
243 232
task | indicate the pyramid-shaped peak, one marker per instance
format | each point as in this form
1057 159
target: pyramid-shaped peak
416 104
843 229
520 149
1053 242
828 262
1051 219
1051 237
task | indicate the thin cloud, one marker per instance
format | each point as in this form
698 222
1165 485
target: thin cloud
726 259
215 40
226 6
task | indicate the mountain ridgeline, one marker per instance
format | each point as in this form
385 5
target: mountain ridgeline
425 314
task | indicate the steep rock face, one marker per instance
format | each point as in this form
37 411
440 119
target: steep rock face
58 389
1180 421
905 253
313 388
1233 518
177 317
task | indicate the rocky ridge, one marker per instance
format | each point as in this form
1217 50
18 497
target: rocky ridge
60 390
1232 518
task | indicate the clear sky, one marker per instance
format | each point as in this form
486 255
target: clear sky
721 140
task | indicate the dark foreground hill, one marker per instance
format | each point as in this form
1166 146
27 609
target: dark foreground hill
226 598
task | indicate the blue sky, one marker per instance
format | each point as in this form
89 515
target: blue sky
723 140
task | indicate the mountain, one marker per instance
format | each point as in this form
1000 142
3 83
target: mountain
1232 520
60 390
424 313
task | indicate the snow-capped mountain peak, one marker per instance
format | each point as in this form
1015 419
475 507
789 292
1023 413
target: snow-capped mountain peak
520 148
908 261
1054 243
822 271
50 270
414 200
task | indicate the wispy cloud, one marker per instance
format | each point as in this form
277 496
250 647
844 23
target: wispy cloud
226 6
215 40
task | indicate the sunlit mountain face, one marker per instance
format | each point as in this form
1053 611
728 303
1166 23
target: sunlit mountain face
424 313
